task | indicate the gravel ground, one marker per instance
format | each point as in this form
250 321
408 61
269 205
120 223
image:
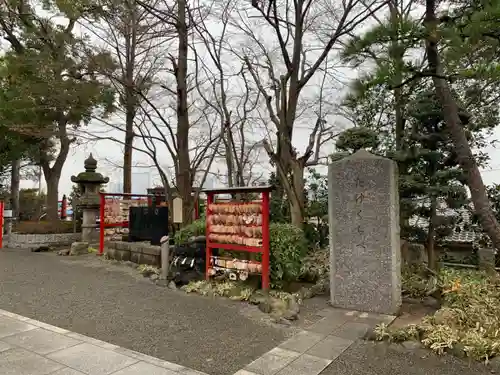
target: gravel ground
115 304
368 358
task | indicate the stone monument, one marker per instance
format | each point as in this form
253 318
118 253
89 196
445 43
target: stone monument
365 254
89 183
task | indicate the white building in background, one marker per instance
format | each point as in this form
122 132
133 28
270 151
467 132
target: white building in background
141 181
114 187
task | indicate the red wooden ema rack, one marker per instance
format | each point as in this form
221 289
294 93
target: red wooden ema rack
248 229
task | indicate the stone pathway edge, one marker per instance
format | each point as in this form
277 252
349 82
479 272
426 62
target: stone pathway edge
308 352
313 349
105 345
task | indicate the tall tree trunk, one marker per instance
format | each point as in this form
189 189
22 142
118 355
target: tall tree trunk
183 179
454 127
127 152
231 173
432 259
297 198
52 181
397 56
53 174
15 181
130 96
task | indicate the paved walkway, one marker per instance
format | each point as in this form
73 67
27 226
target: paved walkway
332 346
30 347
114 303
312 350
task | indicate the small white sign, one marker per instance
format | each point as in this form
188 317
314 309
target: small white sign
7 214
177 210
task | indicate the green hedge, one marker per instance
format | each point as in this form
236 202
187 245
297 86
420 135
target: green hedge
196 228
288 247
43 227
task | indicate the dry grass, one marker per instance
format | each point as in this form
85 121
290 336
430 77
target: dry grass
469 319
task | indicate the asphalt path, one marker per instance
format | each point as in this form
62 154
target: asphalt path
115 304
368 358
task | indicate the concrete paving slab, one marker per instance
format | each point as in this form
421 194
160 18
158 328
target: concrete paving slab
91 359
144 368
9 326
351 330
330 347
19 361
14 316
45 342
4 346
245 372
41 341
305 365
93 341
272 362
188 371
302 341
67 371
48 327
154 361
327 324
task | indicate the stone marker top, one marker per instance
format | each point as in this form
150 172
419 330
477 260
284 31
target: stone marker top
360 155
90 164
90 176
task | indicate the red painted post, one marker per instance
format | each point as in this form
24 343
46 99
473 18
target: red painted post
208 250
265 240
1 223
64 207
102 199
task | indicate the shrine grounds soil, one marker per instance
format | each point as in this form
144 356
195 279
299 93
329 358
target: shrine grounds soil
114 303
369 358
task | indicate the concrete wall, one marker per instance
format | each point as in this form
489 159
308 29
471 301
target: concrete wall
137 252
33 241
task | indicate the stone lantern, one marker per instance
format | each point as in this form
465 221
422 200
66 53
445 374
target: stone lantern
89 183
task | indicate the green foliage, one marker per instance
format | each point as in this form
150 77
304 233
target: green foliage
233 290
288 246
417 282
43 227
358 138
468 321
48 84
397 91
315 266
316 208
31 204
287 243
316 229
196 228
278 205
